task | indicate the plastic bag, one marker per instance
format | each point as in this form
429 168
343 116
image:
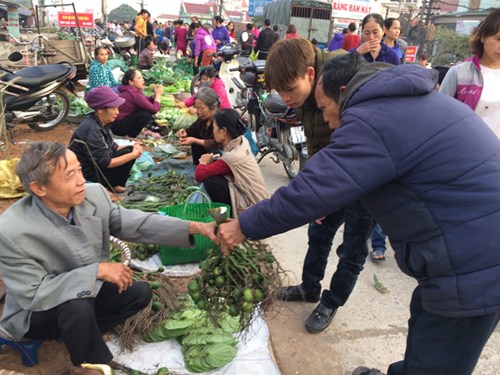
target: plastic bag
10 184
253 145
145 161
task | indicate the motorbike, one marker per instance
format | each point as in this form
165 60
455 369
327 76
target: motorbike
125 48
272 121
226 60
36 95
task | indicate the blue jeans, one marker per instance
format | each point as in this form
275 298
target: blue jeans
378 239
352 253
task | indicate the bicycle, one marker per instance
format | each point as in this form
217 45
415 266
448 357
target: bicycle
32 53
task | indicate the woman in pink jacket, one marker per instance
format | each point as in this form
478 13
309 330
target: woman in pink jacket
138 109
210 78
204 45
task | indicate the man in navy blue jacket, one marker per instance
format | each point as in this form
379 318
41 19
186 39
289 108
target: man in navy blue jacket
428 169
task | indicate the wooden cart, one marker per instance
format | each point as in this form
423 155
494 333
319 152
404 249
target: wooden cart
73 51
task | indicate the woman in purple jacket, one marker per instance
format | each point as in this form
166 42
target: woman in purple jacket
204 46
372 48
138 109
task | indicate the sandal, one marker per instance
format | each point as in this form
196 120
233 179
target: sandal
377 256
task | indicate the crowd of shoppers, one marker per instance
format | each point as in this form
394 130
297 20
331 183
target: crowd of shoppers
338 98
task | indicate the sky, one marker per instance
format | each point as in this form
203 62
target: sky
155 7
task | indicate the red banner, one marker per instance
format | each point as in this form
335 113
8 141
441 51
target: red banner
68 19
411 54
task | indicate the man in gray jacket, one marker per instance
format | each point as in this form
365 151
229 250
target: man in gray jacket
54 256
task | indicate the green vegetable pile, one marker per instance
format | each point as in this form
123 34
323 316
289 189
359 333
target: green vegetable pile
174 80
167 100
183 120
62 35
185 65
206 345
78 107
167 188
169 114
137 250
238 282
144 251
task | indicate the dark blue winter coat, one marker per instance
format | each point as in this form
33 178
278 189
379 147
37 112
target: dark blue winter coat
426 167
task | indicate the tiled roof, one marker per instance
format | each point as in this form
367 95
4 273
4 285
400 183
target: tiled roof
168 17
193 8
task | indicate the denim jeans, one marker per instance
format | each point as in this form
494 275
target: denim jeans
378 239
352 253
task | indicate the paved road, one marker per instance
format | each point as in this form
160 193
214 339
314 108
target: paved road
369 330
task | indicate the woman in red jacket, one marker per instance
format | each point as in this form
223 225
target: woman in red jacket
291 32
138 109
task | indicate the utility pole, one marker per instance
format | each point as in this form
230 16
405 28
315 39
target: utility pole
429 12
104 9
142 4
43 14
427 7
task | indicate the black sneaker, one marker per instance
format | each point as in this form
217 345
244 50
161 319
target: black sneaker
295 293
320 318
367 371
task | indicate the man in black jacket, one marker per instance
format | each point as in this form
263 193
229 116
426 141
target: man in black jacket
265 40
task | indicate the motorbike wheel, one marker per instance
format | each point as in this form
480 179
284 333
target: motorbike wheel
292 168
195 84
294 164
253 122
53 109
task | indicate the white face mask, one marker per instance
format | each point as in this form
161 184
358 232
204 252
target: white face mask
205 83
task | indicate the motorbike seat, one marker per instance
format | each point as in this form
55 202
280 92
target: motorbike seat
276 107
37 76
243 60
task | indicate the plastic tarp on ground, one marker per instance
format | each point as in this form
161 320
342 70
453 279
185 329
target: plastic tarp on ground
253 355
278 11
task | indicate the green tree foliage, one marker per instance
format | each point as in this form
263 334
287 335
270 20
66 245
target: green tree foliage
123 13
450 47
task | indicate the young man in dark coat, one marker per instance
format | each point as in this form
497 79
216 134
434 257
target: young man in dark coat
428 169
295 83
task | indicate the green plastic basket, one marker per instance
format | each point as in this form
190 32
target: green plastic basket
170 255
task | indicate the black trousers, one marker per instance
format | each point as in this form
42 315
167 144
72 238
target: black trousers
445 346
117 176
81 322
132 124
217 188
352 253
139 44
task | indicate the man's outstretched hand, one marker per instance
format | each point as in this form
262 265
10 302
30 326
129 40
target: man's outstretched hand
230 235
